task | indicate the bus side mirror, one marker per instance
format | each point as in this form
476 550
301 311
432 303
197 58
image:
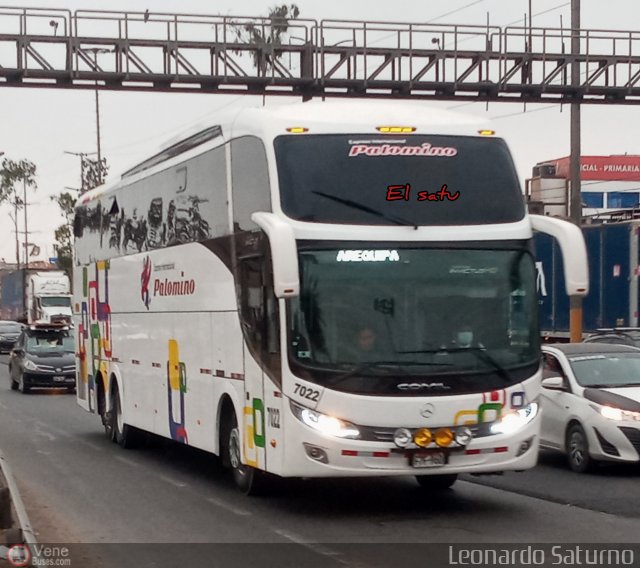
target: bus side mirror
574 251
284 252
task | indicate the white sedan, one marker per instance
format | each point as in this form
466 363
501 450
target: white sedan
591 403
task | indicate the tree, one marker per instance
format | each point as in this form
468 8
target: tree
64 233
11 174
269 32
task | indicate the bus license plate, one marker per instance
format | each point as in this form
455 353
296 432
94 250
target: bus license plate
435 459
58 379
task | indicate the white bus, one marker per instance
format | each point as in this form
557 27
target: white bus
319 289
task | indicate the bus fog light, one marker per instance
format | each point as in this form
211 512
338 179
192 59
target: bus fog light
423 437
316 453
444 437
463 436
402 437
524 447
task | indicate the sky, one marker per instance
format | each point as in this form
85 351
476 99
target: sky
41 125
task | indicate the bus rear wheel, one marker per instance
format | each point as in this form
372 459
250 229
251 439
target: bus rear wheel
122 434
437 482
248 480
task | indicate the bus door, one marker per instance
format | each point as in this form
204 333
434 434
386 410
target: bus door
262 367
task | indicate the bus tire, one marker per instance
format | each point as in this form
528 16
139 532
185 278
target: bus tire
437 482
122 434
248 480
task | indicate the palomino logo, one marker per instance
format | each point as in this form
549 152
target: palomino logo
425 149
145 277
165 286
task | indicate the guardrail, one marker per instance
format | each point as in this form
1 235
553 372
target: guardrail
15 528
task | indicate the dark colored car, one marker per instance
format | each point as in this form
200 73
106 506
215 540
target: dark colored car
9 332
616 336
43 357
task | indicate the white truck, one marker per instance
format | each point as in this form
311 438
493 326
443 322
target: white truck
36 296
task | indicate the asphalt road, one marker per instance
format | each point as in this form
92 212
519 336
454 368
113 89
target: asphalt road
80 488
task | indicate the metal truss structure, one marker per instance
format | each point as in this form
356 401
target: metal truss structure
330 58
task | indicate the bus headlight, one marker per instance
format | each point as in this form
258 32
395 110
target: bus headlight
325 424
514 420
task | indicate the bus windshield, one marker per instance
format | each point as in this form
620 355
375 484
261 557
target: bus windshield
461 320
55 301
392 180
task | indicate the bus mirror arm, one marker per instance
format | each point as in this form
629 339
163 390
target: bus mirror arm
574 251
284 252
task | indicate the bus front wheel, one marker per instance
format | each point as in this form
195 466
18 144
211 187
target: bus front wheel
249 480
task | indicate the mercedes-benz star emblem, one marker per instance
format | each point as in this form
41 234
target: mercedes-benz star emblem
427 410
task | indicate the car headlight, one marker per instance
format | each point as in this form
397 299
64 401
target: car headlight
325 424
514 420
2 338
30 365
613 413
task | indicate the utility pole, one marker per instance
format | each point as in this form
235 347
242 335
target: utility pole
26 229
82 156
15 222
575 205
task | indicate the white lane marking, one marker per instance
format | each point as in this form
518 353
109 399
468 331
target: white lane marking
316 547
173 482
47 435
228 507
91 445
49 428
127 461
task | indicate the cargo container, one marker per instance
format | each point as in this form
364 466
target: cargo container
612 250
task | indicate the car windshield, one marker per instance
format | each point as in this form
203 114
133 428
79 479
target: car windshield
44 343
606 369
10 328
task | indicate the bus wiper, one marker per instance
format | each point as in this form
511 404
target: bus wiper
361 207
388 367
370 366
481 353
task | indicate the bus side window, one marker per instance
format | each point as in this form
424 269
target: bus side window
252 301
258 305
272 312
250 181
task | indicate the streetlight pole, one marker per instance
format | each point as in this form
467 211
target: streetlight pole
95 51
98 135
